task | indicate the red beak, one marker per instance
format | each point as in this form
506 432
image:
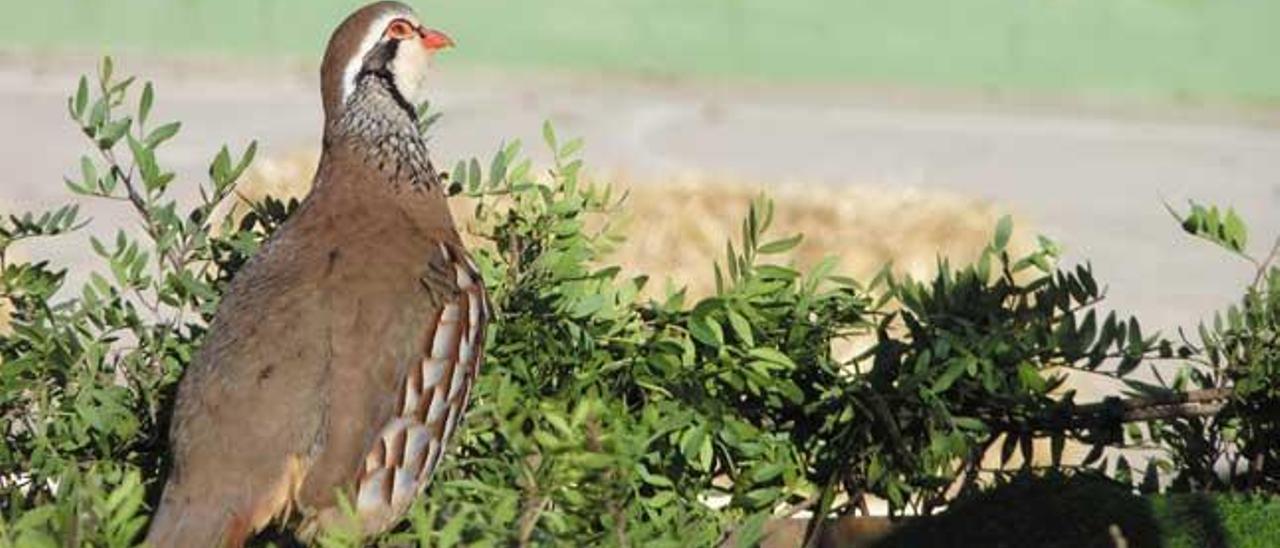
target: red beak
433 39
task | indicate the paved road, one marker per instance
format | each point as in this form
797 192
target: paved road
1092 181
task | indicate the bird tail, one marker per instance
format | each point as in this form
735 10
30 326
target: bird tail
183 522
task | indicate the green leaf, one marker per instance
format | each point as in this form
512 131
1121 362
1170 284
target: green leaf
772 355
1030 377
498 168
473 174
549 135
97 115
1004 230
88 173
706 453
162 134
768 472
145 159
706 330
1234 231
587 306
81 99
761 497
691 443
144 104
105 70
570 148
774 272
741 328
781 246
245 160
955 368
112 131
752 532
220 168
653 479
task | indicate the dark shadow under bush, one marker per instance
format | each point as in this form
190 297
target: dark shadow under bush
1054 511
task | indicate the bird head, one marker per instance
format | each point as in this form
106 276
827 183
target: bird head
385 40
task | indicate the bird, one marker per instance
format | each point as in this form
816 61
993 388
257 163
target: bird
341 357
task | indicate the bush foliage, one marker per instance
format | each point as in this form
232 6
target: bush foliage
607 412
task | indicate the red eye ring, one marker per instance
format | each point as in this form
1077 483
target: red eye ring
401 29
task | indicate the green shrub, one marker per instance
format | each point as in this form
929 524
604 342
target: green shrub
1239 350
602 416
1190 520
88 372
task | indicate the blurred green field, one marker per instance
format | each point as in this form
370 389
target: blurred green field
1218 50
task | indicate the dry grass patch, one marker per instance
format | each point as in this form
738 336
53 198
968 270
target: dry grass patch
677 226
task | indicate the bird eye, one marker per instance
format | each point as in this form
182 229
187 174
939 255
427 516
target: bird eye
401 30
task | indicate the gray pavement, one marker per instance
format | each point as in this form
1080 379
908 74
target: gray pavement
1091 178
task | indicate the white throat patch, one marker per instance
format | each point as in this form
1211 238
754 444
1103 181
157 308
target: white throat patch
371 39
410 71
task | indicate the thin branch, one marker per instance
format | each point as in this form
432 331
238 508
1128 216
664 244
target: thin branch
1264 265
1196 403
1192 403
139 203
529 520
615 510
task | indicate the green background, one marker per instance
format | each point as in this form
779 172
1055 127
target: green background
1180 49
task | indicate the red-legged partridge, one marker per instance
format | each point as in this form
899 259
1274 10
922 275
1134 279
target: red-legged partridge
341 358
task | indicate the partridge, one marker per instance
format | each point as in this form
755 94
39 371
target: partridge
341 357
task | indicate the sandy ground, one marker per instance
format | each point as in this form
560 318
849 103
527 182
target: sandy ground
1091 177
